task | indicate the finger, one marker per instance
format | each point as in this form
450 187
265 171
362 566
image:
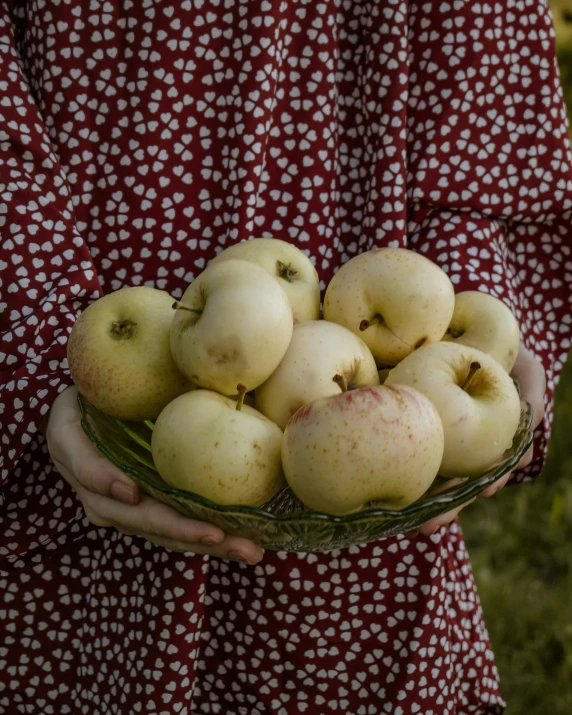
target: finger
530 375
172 544
411 534
495 486
156 519
162 522
152 517
228 550
431 526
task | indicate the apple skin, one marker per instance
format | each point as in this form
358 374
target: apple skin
292 268
119 354
242 332
203 444
318 352
484 322
374 443
480 421
410 295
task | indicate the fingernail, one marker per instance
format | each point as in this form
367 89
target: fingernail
210 540
123 492
237 556
436 529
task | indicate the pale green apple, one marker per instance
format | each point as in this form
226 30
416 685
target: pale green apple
484 322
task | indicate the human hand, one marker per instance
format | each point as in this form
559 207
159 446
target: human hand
110 498
530 375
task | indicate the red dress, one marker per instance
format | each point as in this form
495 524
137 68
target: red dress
137 139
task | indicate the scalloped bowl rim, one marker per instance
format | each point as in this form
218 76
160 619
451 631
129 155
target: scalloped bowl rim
298 516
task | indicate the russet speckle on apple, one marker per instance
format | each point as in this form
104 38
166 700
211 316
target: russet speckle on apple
382 444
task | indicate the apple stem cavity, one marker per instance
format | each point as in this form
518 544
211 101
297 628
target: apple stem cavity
286 271
472 372
241 389
341 381
122 329
376 320
454 333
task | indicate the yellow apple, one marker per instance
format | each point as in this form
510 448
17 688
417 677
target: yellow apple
119 354
482 321
395 299
232 327
477 400
322 359
202 443
293 270
381 444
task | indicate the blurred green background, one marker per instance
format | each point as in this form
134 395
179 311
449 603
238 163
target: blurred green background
520 542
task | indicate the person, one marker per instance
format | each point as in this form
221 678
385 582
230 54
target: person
136 142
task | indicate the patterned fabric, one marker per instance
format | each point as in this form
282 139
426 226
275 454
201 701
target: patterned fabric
139 139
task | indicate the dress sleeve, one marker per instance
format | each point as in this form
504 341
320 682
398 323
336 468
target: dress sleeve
490 167
47 276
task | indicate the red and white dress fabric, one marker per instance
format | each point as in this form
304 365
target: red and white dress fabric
138 139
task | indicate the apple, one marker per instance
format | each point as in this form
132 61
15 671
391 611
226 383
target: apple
232 327
482 321
381 444
293 270
217 447
322 359
477 400
120 357
395 299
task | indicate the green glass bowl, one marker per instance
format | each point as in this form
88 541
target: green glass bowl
284 523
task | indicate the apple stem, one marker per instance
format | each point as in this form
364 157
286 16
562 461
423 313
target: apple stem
365 324
286 271
241 393
342 382
454 333
182 306
472 371
122 329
